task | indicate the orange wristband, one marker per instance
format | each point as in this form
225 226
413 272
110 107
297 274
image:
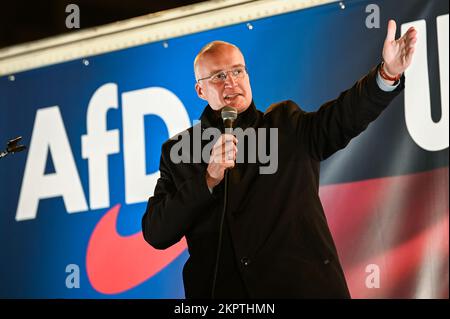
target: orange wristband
385 76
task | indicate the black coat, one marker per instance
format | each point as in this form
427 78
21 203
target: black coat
277 243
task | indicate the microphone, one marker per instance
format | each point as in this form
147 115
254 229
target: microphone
229 115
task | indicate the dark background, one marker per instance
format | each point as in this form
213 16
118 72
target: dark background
23 21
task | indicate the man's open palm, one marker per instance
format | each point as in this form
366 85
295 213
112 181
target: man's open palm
397 54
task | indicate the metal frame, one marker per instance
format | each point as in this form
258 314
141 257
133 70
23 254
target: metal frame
150 28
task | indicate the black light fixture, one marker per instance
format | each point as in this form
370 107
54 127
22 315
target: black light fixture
13 147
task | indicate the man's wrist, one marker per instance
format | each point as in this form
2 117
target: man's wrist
387 77
209 182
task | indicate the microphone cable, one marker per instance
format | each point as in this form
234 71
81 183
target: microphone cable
219 245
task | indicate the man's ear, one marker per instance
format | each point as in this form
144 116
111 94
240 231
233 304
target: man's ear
199 90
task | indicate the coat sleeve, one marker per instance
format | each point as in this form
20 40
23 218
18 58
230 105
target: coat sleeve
336 122
173 208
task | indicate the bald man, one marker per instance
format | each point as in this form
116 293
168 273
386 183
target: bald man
275 241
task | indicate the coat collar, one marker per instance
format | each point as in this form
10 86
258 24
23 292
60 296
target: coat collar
248 118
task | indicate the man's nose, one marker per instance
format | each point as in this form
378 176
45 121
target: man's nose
230 81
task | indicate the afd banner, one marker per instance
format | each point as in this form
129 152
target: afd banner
71 205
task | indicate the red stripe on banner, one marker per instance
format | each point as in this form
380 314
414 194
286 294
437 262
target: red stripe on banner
391 234
413 269
397 225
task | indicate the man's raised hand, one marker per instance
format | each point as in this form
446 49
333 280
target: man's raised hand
397 54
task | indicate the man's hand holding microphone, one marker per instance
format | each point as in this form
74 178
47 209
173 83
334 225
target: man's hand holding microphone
224 151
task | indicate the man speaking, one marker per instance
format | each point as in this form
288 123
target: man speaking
255 235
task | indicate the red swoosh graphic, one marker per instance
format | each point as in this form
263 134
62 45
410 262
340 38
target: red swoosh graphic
116 263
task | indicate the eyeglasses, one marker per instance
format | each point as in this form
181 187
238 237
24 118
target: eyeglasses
221 76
